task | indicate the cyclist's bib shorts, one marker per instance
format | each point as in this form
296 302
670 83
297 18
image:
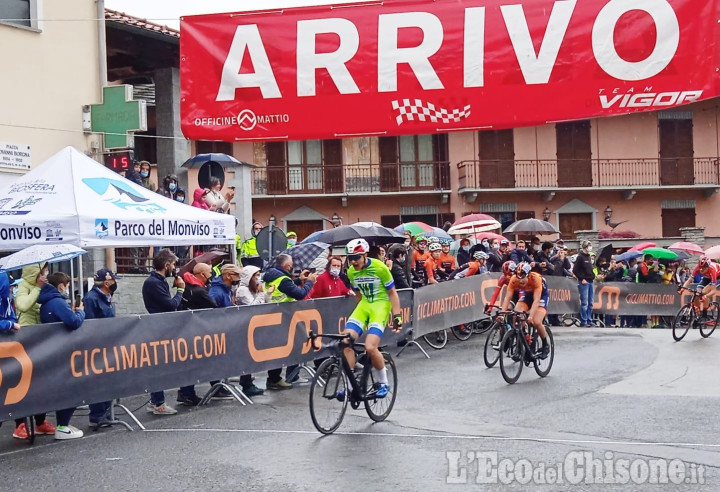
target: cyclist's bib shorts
373 316
528 298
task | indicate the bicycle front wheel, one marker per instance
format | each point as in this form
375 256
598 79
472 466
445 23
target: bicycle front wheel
436 340
328 396
462 332
378 409
543 366
708 327
482 326
512 356
492 346
682 322
570 320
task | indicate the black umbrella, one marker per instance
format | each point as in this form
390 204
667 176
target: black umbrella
606 252
536 226
369 231
223 159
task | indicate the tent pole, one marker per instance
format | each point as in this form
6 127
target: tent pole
81 287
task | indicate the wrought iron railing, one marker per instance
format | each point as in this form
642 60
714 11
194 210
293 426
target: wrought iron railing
591 173
351 178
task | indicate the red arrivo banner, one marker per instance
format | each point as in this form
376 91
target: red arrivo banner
412 67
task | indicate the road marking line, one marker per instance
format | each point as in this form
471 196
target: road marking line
449 436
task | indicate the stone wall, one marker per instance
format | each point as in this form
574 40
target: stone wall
128 298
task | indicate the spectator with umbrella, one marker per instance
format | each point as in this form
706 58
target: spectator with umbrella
498 256
463 255
398 270
520 254
543 265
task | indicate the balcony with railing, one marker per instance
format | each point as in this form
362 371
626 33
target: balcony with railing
550 175
351 179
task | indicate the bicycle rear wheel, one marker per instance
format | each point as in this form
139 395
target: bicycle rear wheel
682 322
378 409
492 345
708 327
543 366
569 320
462 332
436 340
512 356
481 326
328 396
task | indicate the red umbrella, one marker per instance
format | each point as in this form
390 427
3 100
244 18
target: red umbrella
713 253
472 223
642 246
688 247
489 236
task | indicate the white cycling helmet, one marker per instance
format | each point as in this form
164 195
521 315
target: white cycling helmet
433 240
357 247
434 247
480 255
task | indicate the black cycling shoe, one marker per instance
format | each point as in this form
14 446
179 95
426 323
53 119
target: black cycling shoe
544 351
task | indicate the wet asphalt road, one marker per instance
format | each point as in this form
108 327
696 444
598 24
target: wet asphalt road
618 394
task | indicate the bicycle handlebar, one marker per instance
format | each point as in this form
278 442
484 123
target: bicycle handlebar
312 336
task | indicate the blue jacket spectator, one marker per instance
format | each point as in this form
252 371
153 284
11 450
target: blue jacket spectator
98 305
54 305
519 254
221 285
286 285
8 318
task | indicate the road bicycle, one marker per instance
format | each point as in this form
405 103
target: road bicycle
491 353
690 315
572 319
336 384
520 346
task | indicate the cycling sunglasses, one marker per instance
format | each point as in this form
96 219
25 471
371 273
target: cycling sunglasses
354 257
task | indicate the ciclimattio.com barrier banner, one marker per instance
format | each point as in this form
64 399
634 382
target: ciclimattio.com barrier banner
47 367
629 298
452 303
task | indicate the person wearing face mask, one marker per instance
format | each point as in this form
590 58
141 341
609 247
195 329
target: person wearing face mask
483 245
157 299
170 186
329 283
463 255
583 270
399 264
291 239
497 255
145 176
180 195
248 249
54 308
133 173
98 304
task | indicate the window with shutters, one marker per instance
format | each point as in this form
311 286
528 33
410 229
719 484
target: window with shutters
213 147
304 166
497 158
675 218
574 154
676 152
414 162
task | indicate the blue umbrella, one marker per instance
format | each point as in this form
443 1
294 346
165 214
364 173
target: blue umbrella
438 233
628 255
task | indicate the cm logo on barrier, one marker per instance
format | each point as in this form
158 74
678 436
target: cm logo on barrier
306 317
15 350
611 292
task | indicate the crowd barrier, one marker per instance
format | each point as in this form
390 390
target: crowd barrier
47 367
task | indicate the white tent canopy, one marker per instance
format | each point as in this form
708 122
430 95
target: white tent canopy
70 198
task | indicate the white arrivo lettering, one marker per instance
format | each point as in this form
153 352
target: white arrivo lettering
474 50
308 60
536 69
666 44
390 56
247 38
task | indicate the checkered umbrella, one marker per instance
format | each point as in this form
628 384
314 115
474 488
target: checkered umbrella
40 254
304 254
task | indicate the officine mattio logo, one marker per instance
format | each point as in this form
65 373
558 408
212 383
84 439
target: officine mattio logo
102 228
247 119
122 195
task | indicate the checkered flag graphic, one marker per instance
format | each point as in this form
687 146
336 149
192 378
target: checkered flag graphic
422 111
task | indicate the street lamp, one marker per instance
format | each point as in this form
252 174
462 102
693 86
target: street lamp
546 214
608 213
